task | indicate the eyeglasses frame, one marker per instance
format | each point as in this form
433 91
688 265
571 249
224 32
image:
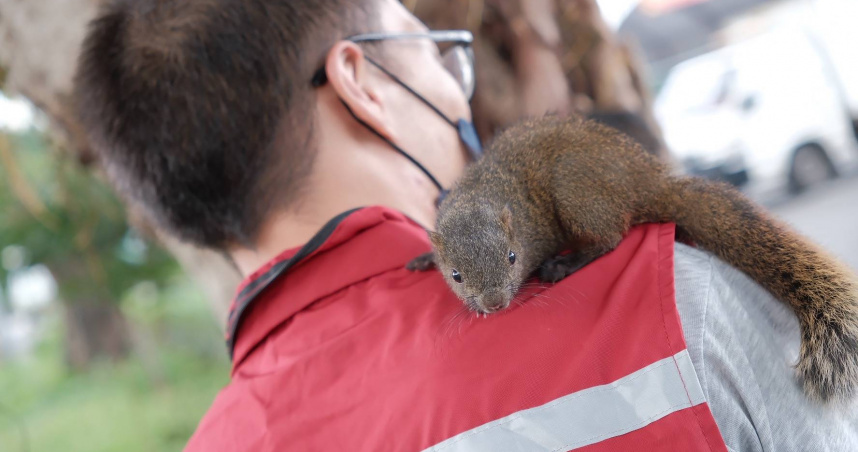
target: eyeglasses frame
460 37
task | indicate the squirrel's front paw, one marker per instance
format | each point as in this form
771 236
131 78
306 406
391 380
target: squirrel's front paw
422 263
559 267
553 270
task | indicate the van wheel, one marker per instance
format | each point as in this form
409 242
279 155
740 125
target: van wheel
810 166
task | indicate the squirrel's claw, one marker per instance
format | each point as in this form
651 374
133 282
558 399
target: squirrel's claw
559 267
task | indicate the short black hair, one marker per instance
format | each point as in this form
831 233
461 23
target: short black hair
200 110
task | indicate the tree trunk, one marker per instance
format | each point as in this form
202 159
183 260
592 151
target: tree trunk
95 329
548 56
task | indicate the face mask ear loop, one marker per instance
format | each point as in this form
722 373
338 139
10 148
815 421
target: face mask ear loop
466 130
405 154
415 93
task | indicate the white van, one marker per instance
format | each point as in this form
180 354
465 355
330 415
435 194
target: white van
766 114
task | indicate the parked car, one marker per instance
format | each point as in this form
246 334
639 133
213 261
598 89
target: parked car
833 23
764 114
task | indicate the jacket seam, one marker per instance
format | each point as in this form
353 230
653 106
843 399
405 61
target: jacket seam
661 259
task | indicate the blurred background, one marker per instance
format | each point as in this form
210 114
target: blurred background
111 331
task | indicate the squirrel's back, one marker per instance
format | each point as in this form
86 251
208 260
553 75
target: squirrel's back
539 159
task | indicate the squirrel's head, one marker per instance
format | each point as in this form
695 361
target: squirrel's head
477 252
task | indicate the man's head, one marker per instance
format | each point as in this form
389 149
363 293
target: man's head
204 113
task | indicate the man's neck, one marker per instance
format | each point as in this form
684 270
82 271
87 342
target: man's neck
286 231
369 174
282 232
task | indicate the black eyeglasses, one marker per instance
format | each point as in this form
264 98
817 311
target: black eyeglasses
458 59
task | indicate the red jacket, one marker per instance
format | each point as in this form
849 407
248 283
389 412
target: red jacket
337 346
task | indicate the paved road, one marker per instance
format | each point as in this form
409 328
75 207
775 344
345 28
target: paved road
828 215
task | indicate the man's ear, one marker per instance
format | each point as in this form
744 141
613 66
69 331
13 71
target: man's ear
352 78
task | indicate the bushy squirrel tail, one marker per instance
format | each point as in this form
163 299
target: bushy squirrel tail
822 292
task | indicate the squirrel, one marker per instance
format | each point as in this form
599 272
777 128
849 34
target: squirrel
551 184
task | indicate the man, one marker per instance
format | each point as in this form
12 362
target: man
257 128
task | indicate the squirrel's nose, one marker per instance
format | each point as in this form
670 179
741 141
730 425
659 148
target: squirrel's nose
494 301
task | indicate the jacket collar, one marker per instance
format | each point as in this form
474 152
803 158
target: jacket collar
351 247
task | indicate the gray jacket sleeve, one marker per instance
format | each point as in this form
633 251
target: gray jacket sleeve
743 344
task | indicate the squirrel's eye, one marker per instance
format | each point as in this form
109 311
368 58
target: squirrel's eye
511 258
457 277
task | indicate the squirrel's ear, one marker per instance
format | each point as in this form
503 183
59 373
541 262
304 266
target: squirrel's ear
506 218
436 239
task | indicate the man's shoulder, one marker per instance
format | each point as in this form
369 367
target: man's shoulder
719 305
707 286
743 343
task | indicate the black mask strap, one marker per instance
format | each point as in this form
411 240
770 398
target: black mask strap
467 132
404 154
410 90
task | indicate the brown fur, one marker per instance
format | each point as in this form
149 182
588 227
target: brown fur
575 184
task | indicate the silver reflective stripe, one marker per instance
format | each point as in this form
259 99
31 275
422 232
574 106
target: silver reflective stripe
590 415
